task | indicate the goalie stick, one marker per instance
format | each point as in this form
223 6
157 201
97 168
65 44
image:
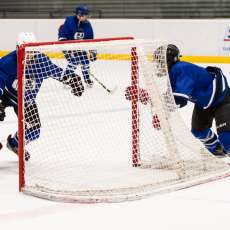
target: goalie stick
111 91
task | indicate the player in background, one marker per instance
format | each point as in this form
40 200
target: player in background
208 89
78 27
33 81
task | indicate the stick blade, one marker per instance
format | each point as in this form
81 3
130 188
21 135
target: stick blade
112 91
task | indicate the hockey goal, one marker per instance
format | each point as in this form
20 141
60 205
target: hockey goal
106 146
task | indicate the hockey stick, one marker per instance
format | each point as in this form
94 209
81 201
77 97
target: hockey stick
111 91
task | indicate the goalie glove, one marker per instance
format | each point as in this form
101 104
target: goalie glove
75 82
131 94
2 111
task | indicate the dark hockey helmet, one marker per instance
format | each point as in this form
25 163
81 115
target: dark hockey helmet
82 10
172 55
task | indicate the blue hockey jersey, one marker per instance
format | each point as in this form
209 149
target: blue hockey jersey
196 84
8 75
37 69
72 29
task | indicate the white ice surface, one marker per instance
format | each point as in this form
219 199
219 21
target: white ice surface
202 207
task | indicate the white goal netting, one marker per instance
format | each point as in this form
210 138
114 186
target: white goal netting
105 146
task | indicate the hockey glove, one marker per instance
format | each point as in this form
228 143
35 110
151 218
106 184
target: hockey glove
180 101
74 81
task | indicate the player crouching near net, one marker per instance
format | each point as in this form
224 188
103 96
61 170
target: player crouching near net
208 89
33 80
78 27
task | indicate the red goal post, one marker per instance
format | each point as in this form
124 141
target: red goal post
21 66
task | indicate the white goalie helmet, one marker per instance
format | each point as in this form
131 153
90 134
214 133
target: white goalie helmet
25 37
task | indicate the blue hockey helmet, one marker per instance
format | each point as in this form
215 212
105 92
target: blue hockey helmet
82 10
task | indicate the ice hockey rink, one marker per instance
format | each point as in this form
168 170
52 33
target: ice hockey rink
201 207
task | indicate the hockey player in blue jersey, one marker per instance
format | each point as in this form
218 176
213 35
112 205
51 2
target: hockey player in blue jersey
208 89
33 81
78 27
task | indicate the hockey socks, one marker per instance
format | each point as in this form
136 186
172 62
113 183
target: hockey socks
210 141
86 75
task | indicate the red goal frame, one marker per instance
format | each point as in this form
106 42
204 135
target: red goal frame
134 106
